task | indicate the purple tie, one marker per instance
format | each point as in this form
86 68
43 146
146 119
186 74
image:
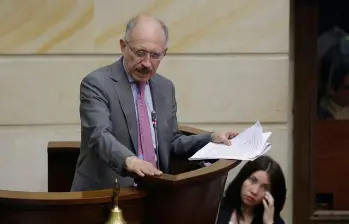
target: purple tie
145 141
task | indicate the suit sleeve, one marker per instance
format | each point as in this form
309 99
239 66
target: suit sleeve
183 144
96 126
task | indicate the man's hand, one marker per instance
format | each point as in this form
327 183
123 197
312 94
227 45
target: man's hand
141 167
223 137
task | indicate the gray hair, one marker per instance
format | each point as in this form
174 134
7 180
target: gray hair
133 22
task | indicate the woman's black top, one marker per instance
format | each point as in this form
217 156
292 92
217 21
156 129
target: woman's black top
225 212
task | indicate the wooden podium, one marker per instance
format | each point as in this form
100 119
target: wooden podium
177 198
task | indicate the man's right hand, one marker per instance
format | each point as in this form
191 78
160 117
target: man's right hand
141 167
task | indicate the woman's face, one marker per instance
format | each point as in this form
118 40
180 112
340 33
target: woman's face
253 189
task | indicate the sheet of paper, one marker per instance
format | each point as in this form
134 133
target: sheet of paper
249 139
263 149
248 145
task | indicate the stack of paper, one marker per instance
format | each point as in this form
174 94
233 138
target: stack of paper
248 145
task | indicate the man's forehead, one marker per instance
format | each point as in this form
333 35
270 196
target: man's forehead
147 31
148 39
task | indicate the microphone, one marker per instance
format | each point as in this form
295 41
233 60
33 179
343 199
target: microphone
153 120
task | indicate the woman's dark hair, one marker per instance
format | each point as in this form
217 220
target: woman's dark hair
277 187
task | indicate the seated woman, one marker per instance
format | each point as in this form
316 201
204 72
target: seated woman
256 195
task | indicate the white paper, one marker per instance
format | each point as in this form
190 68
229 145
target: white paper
248 145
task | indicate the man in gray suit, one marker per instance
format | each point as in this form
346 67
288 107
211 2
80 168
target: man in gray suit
117 103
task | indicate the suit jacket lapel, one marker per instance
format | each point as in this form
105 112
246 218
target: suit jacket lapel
158 104
124 91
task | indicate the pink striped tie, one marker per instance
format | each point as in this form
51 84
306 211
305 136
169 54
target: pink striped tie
145 141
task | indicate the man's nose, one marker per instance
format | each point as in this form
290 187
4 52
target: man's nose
146 61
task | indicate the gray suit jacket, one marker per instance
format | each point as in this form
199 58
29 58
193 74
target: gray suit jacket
109 127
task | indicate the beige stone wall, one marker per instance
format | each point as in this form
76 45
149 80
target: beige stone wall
229 60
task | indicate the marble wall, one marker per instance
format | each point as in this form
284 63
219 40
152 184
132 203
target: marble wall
229 61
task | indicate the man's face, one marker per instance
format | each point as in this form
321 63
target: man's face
143 53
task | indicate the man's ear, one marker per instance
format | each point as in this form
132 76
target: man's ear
122 45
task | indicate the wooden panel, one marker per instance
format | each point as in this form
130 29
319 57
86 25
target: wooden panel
304 13
208 196
332 161
330 217
69 207
59 177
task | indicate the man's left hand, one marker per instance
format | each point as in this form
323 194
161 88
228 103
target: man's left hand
223 137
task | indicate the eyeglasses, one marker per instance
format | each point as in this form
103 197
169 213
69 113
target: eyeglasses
141 54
